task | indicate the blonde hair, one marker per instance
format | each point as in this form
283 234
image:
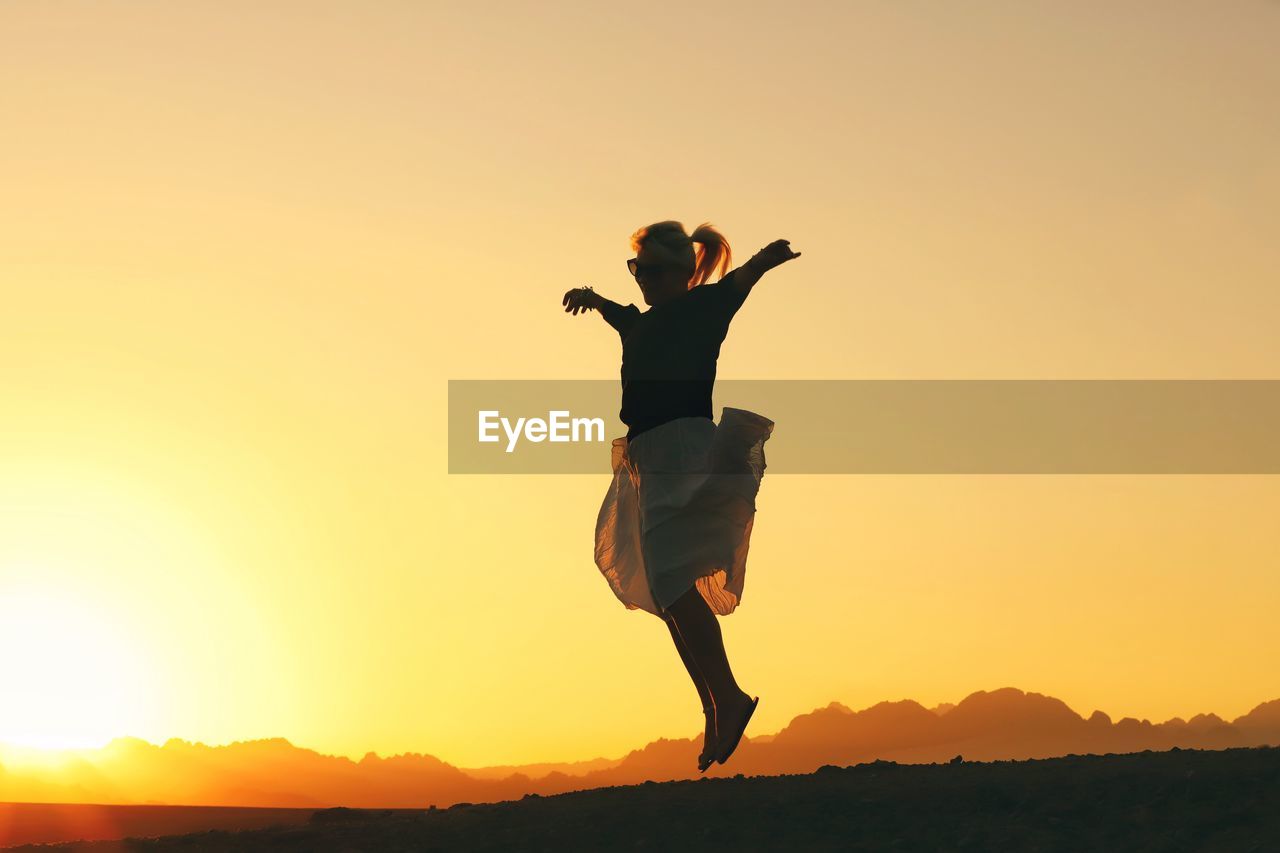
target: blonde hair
667 243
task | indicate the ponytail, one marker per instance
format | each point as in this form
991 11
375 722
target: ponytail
713 252
667 243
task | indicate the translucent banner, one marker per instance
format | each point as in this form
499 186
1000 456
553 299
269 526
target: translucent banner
898 426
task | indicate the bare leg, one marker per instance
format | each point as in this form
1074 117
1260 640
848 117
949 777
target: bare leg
699 682
700 629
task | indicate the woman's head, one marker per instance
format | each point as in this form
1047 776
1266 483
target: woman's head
668 263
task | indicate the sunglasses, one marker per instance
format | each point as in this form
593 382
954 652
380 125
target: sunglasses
635 267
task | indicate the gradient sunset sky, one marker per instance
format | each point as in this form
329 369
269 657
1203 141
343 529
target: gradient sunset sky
244 246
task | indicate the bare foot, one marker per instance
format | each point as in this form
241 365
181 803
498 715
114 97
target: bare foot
731 721
709 744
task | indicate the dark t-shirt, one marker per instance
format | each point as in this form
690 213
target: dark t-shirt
669 354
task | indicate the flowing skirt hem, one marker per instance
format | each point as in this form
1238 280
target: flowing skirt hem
680 510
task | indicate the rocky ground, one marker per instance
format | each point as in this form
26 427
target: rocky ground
1182 800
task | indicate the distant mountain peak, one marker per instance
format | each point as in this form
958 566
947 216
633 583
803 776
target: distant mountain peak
1266 713
128 743
1010 701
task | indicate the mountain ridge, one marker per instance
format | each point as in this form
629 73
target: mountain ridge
1001 724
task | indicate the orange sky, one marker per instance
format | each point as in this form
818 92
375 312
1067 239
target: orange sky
243 249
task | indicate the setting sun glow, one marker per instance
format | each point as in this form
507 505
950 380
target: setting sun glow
70 675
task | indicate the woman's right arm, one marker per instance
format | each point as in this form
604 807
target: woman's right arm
586 299
619 316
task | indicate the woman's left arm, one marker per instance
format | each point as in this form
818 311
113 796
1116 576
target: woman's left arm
776 253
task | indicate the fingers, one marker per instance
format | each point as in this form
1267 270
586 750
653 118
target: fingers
785 246
574 301
779 251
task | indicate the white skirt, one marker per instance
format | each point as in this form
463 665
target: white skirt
680 509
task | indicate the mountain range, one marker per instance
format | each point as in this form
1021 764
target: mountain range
996 725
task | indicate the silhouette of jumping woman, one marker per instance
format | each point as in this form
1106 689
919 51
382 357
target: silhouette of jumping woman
673 531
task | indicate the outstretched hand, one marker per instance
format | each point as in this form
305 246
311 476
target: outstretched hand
776 253
581 299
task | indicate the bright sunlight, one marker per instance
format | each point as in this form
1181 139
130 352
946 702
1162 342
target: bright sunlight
69 676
